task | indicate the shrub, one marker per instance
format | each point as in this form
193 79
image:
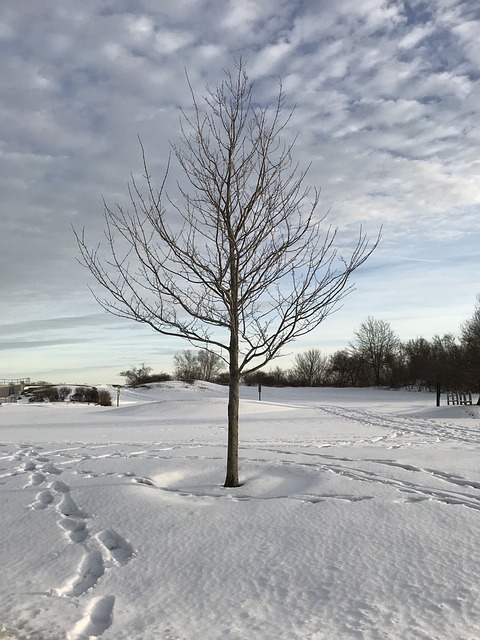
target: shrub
91 395
51 394
85 394
104 398
157 377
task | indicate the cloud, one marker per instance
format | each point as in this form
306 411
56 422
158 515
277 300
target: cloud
8 345
55 324
386 101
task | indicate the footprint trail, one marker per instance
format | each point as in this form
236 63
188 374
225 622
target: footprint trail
104 551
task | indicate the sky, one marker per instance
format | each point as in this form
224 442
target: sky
386 97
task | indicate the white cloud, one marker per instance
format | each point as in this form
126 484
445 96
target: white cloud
415 36
141 27
387 112
168 42
268 60
241 15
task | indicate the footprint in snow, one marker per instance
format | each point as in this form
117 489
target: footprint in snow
118 548
68 507
76 529
145 481
42 500
36 479
58 485
98 618
90 570
50 468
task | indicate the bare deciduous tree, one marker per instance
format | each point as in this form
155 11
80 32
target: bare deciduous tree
242 266
202 365
186 366
347 369
471 343
310 368
210 365
377 345
417 355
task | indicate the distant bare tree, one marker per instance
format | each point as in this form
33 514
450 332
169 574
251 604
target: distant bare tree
210 365
238 264
346 369
448 361
377 345
417 354
200 365
310 368
471 344
186 366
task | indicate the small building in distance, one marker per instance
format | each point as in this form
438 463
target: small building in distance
11 389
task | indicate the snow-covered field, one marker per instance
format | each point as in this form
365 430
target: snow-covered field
358 518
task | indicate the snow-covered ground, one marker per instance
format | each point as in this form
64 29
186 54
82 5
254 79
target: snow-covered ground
358 518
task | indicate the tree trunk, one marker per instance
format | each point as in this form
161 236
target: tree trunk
233 404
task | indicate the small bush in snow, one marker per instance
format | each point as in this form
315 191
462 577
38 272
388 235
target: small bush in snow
104 398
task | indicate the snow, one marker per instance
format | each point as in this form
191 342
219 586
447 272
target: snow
358 517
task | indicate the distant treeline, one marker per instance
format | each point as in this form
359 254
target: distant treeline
375 357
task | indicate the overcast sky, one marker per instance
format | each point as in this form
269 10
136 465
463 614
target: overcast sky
387 97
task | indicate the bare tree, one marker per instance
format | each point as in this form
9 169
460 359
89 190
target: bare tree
186 366
377 345
202 365
417 355
210 365
346 369
242 266
470 337
310 368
